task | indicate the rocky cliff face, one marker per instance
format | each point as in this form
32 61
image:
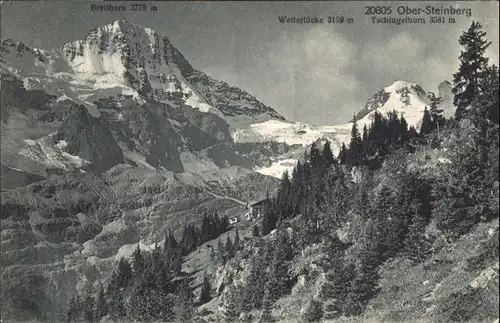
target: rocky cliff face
86 137
230 100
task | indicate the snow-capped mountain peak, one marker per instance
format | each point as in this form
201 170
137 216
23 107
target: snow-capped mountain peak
122 58
121 64
133 46
400 86
406 99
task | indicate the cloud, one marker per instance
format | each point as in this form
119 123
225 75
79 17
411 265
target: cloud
398 55
321 75
306 74
406 57
311 74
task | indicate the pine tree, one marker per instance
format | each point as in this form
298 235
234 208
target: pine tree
315 157
386 230
355 146
120 280
221 253
124 273
88 308
427 124
358 204
335 288
205 290
100 305
190 237
237 241
327 153
363 286
364 137
172 252
473 64
256 280
436 114
229 247
335 206
416 244
224 224
283 206
160 271
404 127
183 307
343 154
266 315
269 221
278 273
486 107
464 200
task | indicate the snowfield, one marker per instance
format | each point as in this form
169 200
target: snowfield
287 132
45 153
278 168
406 99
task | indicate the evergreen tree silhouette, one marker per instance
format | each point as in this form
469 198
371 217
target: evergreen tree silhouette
427 124
205 290
473 64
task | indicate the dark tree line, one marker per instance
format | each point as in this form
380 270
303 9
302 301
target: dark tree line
212 226
268 277
151 286
225 252
470 192
383 136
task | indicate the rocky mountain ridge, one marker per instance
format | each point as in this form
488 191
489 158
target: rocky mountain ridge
127 59
162 112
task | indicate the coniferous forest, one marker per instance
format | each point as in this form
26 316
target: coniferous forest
358 210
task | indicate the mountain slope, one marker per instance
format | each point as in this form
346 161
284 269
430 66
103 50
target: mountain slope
84 136
162 113
71 229
37 129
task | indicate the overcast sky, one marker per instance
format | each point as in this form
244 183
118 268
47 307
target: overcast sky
308 72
